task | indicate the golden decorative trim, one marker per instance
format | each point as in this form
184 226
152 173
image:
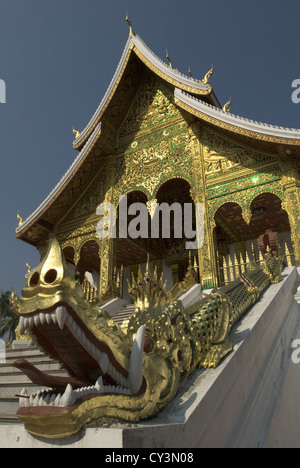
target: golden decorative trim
76 133
245 200
164 76
107 102
232 128
208 75
20 220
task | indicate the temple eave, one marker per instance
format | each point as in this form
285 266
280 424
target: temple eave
235 124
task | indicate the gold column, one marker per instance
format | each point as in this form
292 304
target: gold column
108 245
206 254
240 252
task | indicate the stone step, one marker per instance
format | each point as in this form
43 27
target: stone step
124 314
9 408
32 355
44 366
11 389
9 419
11 374
12 380
32 350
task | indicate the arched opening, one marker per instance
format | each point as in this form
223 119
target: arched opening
236 240
88 269
133 243
267 213
156 229
69 254
173 253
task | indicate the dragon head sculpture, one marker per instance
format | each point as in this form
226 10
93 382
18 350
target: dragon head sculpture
118 374
114 375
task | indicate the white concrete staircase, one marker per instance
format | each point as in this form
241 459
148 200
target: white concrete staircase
12 381
187 299
124 314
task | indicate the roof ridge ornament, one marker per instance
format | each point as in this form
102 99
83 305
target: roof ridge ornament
227 106
208 75
19 218
169 60
131 33
76 133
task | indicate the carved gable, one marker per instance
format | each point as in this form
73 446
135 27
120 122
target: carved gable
153 105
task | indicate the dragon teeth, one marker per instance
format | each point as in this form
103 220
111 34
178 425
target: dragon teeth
69 397
60 316
47 398
104 363
99 385
42 318
22 326
135 377
23 400
57 316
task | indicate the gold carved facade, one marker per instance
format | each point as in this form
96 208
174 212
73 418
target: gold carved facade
156 144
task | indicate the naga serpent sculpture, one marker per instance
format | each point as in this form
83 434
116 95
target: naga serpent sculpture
122 374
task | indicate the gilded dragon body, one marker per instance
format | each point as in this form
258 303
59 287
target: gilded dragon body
122 374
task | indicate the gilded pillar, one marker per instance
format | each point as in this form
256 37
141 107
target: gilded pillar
206 253
77 248
108 244
291 187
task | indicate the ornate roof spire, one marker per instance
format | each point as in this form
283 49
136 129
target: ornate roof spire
208 75
20 220
76 133
227 106
131 33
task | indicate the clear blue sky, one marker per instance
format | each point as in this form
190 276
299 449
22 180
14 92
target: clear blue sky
57 58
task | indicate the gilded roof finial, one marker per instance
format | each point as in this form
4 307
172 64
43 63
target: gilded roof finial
131 33
208 75
14 301
19 219
76 133
28 267
147 273
169 59
227 106
190 73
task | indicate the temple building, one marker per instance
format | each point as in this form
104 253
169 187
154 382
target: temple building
159 136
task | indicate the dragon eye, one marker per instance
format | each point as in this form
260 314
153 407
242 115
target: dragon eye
148 344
